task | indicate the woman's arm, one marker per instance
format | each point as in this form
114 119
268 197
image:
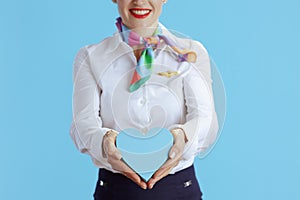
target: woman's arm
201 125
87 132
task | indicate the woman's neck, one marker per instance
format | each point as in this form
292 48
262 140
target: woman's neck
145 31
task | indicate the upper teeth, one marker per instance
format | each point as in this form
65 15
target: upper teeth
140 12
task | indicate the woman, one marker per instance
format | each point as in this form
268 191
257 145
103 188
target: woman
143 77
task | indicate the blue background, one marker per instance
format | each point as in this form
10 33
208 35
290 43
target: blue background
254 43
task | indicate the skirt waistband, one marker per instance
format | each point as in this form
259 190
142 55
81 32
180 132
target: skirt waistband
180 176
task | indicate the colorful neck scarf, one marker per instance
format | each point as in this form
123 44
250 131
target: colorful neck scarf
143 69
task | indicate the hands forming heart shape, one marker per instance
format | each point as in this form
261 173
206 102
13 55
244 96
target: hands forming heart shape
145 153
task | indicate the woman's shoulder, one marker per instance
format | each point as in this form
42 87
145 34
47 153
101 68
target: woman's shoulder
105 45
189 43
98 54
184 41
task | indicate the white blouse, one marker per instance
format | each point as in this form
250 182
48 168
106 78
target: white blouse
102 101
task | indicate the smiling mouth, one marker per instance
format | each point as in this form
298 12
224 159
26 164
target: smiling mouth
140 12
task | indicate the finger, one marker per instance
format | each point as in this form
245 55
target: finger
111 150
174 152
177 148
163 171
170 164
179 137
135 178
154 180
175 156
128 172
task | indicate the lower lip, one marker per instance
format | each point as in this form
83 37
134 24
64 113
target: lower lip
140 16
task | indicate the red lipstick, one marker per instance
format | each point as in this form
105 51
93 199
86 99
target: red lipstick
140 12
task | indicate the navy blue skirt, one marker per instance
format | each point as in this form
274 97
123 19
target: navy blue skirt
182 185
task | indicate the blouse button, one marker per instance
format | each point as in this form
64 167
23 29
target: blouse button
143 101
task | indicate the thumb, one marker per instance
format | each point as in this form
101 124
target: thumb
117 155
173 152
113 151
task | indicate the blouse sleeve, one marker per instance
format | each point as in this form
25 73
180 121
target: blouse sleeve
86 129
201 126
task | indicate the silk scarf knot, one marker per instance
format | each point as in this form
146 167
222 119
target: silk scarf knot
143 69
